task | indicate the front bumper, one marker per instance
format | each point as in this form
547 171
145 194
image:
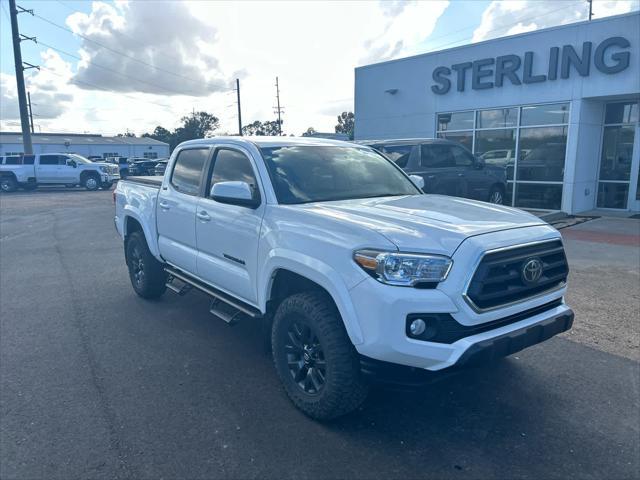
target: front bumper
400 376
109 177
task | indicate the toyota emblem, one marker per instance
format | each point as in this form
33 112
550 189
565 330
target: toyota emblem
531 271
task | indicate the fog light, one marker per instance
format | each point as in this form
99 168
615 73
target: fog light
417 327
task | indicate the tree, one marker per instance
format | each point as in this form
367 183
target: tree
161 134
346 124
127 134
196 125
258 128
310 132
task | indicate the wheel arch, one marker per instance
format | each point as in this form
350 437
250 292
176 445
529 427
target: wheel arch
285 276
132 223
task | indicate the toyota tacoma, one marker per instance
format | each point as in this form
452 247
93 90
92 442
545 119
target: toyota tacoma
353 271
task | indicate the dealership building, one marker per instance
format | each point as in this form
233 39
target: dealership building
557 108
85 144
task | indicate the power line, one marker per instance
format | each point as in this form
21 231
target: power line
121 34
113 71
97 87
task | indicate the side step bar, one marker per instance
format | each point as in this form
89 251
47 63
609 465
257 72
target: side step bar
219 298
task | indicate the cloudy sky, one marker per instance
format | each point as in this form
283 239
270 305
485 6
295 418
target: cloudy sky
113 66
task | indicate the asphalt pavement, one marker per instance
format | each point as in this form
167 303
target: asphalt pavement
96 382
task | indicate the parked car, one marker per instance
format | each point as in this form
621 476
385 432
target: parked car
142 167
123 165
55 168
447 168
337 255
160 167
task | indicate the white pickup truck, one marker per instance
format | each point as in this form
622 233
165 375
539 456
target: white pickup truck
29 171
355 273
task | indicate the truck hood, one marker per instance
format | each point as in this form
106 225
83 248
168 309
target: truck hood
425 223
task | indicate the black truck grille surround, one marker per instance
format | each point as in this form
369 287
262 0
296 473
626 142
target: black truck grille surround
498 280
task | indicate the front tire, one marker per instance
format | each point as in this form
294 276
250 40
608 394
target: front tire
8 184
92 183
147 275
314 358
496 195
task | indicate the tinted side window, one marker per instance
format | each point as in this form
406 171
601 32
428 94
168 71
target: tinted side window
233 166
12 161
437 156
28 159
48 159
398 153
188 170
462 157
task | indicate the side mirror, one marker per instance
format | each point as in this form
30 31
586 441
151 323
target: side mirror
72 163
418 180
234 193
478 163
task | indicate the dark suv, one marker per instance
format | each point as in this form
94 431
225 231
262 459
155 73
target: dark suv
447 168
142 167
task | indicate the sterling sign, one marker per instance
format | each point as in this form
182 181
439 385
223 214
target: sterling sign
610 56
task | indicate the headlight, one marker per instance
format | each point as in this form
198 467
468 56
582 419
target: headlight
406 269
103 169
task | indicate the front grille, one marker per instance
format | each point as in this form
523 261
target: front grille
498 280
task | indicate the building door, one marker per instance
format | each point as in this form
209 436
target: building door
634 190
618 179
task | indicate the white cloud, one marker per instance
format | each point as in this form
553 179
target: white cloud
517 16
146 47
313 47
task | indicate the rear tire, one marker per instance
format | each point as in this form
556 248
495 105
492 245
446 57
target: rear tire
147 274
314 358
8 184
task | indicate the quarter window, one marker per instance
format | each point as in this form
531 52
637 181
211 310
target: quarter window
188 168
233 166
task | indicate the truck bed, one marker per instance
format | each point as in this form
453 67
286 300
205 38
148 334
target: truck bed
154 181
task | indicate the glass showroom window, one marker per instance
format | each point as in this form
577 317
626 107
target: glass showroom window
617 153
527 143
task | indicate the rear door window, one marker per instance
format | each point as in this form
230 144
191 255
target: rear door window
187 171
49 159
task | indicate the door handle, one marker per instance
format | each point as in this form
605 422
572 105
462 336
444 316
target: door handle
164 205
461 174
204 216
430 177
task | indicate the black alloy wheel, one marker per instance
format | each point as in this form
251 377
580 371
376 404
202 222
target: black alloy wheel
305 358
136 263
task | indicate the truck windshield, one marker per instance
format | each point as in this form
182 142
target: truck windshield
80 158
306 173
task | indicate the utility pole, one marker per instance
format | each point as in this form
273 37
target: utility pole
22 97
239 110
278 109
590 9
30 111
